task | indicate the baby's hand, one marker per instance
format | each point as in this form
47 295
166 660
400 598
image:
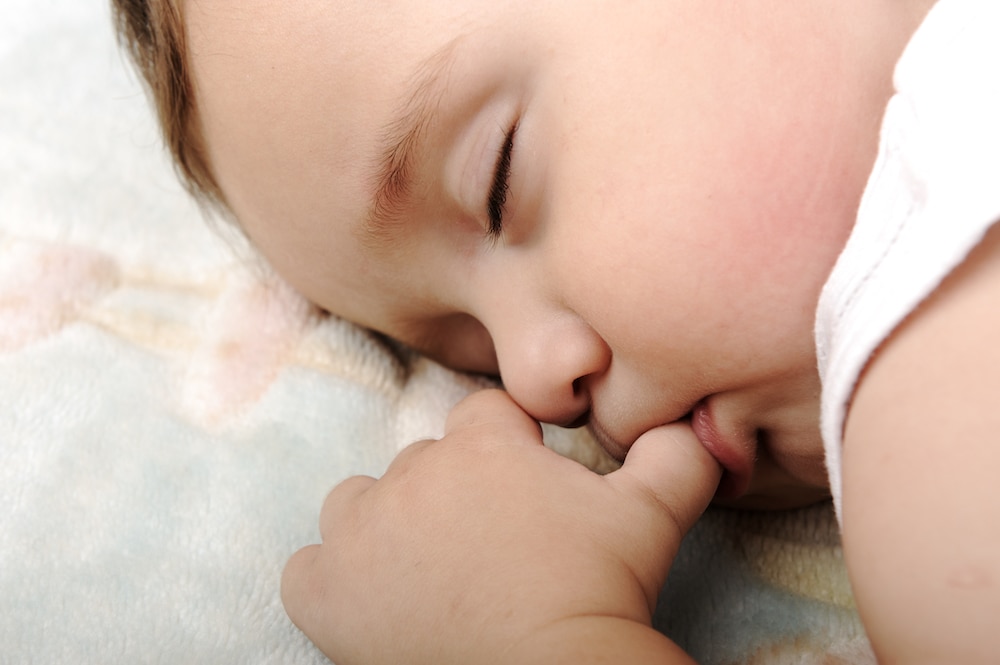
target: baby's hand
469 546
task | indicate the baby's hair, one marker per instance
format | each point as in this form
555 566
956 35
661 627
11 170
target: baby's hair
152 32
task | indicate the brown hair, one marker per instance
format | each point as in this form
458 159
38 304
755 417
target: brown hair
152 32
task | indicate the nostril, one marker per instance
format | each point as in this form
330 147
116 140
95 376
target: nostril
580 420
582 397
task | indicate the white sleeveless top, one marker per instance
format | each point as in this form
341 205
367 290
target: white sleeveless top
933 193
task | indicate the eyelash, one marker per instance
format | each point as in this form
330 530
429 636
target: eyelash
497 198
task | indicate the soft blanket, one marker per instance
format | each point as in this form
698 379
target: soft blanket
171 416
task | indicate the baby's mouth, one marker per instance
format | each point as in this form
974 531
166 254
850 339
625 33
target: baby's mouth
735 457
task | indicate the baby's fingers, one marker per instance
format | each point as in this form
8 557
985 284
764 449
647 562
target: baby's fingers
341 501
305 580
493 413
670 465
302 588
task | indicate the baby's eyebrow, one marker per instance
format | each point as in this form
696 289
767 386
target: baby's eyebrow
401 142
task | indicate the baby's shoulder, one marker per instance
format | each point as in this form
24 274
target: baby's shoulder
921 449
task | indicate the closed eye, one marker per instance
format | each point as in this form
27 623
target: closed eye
497 199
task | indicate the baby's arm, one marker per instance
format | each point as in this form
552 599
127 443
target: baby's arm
922 477
486 547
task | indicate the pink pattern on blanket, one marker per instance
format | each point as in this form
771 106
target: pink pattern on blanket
44 286
254 326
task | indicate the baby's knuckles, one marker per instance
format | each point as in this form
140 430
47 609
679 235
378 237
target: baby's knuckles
493 409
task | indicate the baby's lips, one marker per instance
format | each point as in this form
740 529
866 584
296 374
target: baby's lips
734 455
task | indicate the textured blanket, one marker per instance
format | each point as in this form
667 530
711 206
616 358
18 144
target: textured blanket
171 416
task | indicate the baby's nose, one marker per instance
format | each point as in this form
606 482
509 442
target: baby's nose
548 369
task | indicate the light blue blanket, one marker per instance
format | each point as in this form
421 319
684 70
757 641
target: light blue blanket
171 417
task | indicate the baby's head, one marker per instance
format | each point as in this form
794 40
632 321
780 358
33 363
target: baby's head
625 209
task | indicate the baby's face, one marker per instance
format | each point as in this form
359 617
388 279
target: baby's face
626 209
